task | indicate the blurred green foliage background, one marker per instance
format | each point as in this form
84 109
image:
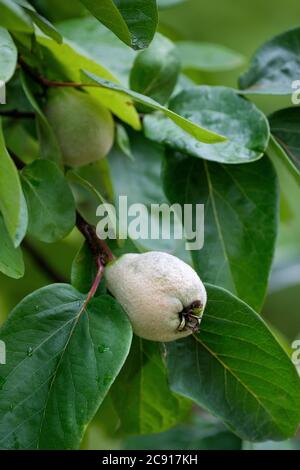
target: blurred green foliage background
243 26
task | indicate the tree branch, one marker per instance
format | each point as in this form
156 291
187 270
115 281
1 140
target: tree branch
96 283
45 82
99 248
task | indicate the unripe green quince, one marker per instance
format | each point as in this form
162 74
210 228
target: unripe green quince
163 296
83 127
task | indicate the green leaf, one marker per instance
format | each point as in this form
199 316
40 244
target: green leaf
133 21
21 139
11 259
122 140
195 130
49 148
50 202
87 184
240 227
208 57
45 26
285 127
141 394
70 59
66 355
220 110
56 10
101 45
236 370
156 70
274 66
289 181
8 56
282 164
12 202
14 18
84 270
40 21
142 184
104 47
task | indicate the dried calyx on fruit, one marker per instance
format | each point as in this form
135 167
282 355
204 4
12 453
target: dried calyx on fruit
163 296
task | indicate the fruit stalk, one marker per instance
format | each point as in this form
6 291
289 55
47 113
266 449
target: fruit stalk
50 83
99 248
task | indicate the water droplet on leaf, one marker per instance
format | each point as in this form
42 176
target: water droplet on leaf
138 43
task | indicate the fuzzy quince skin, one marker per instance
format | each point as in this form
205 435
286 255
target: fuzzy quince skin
163 296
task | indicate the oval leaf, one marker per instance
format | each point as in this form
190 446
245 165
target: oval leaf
49 148
11 259
274 66
168 3
236 369
240 227
12 202
101 45
40 21
50 201
55 349
45 26
14 18
8 56
84 271
289 181
220 110
122 141
133 21
285 126
156 70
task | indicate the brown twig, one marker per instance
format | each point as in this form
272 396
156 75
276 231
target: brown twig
95 285
99 248
36 76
